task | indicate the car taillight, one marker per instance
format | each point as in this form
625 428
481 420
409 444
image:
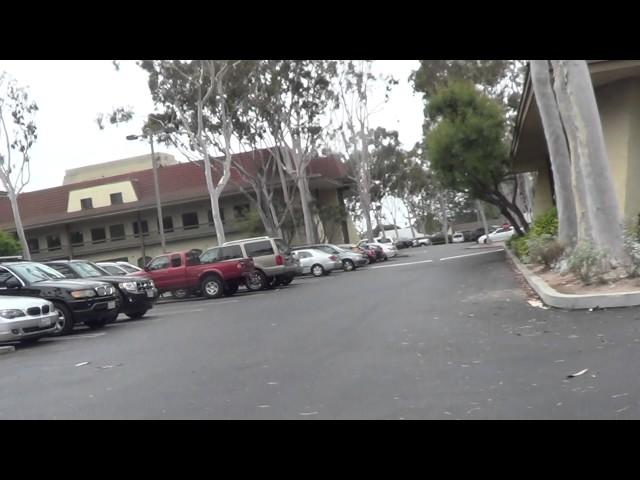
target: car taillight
333 258
279 260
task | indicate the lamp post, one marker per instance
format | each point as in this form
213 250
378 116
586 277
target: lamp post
154 167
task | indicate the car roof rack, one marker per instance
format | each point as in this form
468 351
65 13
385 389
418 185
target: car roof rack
248 240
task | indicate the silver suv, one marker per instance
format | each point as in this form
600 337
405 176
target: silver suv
272 258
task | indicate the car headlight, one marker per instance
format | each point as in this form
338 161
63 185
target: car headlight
11 313
129 286
83 293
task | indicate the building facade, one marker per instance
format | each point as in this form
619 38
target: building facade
617 89
102 217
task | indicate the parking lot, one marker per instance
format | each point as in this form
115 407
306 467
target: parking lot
439 332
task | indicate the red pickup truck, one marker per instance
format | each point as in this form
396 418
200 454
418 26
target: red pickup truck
185 271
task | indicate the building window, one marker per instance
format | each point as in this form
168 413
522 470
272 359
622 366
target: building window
145 229
210 216
190 220
53 242
77 239
167 222
241 211
86 204
116 232
116 198
98 235
34 245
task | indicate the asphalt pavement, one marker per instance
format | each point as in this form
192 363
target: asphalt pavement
442 332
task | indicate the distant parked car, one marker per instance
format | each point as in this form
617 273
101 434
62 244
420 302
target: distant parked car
350 260
422 242
457 237
403 244
477 233
500 235
367 252
317 262
129 267
26 319
438 239
87 301
136 295
113 268
387 247
272 258
376 249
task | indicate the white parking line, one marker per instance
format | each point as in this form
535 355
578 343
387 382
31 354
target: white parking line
401 264
472 254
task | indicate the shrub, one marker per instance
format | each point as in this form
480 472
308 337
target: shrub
632 249
545 224
588 263
8 245
519 246
544 249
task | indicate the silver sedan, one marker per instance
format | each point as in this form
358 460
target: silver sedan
316 262
350 260
26 319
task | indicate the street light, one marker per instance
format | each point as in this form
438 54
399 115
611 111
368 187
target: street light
155 185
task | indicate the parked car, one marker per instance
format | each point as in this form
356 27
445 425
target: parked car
404 243
91 302
136 295
368 253
438 239
376 249
26 319
422 242
209 276
350 260
317 262
389 250
457 237
499 235
129 267
273 261
112 268
477 233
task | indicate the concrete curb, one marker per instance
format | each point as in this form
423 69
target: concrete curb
567 301
8 349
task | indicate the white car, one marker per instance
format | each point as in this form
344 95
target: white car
457 237
500 235
388 248
26 319
317 262
422 242
129 267
112 268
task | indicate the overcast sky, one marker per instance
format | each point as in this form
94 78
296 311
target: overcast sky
71 93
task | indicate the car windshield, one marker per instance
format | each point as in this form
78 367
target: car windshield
127 268
113 270
87 269
35 272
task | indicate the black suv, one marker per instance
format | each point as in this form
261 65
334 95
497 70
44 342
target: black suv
91 302
136 294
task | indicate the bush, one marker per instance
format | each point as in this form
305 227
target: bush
588 263
545 224
632 249
544 249
519 246
9 245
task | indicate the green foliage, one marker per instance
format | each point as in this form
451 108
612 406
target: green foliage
545 224
631 242
544 249
588 263
9 245
466 146
520 246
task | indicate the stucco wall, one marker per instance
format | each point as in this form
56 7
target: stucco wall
100 195
542 200
632 190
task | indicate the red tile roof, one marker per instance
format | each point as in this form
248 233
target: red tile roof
180 182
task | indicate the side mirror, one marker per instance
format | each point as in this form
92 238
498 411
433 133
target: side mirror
13 282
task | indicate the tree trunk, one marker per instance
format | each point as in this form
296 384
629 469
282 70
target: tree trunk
365 192
583 220
558 151
17 219
309 229
480 209
443 215
600 190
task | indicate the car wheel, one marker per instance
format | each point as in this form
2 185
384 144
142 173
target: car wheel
287 280
136 315
96 324
317 270
64 323
211 287
256 281
348 266
180 293
385 258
